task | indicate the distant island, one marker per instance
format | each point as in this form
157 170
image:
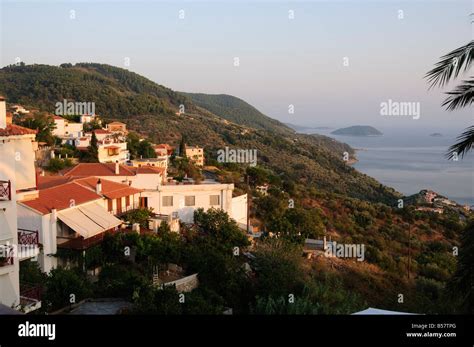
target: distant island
436 135
357 130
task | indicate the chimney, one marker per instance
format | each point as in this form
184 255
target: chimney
9 118
117 168
98 187
3 113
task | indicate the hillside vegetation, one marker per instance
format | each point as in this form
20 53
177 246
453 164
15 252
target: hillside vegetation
151 109
238 111
407 251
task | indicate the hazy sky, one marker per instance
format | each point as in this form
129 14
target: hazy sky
283 61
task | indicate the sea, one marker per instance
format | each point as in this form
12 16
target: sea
411 160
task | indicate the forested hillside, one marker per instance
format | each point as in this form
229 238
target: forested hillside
151 109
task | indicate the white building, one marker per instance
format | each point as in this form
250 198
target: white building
88 118
169 198
112 152
67 130
73 216
17 182
184 199
195 154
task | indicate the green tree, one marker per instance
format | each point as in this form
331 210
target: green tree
133 141
145 150
43 123
217 224
278 264
61 284
92 154
297 224
139 215
182 147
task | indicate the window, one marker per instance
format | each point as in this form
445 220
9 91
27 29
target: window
189 200
214 200
110 205
167 201
127 201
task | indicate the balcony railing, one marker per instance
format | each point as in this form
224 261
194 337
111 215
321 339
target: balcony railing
30 297
31 292
28 244
79 243
28 237
7 255
5 190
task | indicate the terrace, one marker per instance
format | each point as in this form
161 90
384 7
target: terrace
30 297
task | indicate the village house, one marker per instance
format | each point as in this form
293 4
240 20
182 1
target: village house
74 213
89 118
167 197
430 209
111 152
19 109
138 177
118 198
111 147
163 149
117 127
17 183
195 154
67 130
161 162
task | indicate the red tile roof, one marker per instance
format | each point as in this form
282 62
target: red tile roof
98 169
149 170
61 197
15 130
57 117
163 145
111 190
101 131
112 147
45 182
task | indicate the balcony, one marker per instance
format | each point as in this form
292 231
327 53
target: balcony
28 243
30 297
79 243
5 191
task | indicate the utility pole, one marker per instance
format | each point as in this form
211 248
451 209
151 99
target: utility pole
248 203
409 250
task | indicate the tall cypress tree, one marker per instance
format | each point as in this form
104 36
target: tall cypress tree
93 150
182 147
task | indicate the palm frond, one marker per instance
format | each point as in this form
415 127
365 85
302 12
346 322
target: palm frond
465 144
461 96
451 65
